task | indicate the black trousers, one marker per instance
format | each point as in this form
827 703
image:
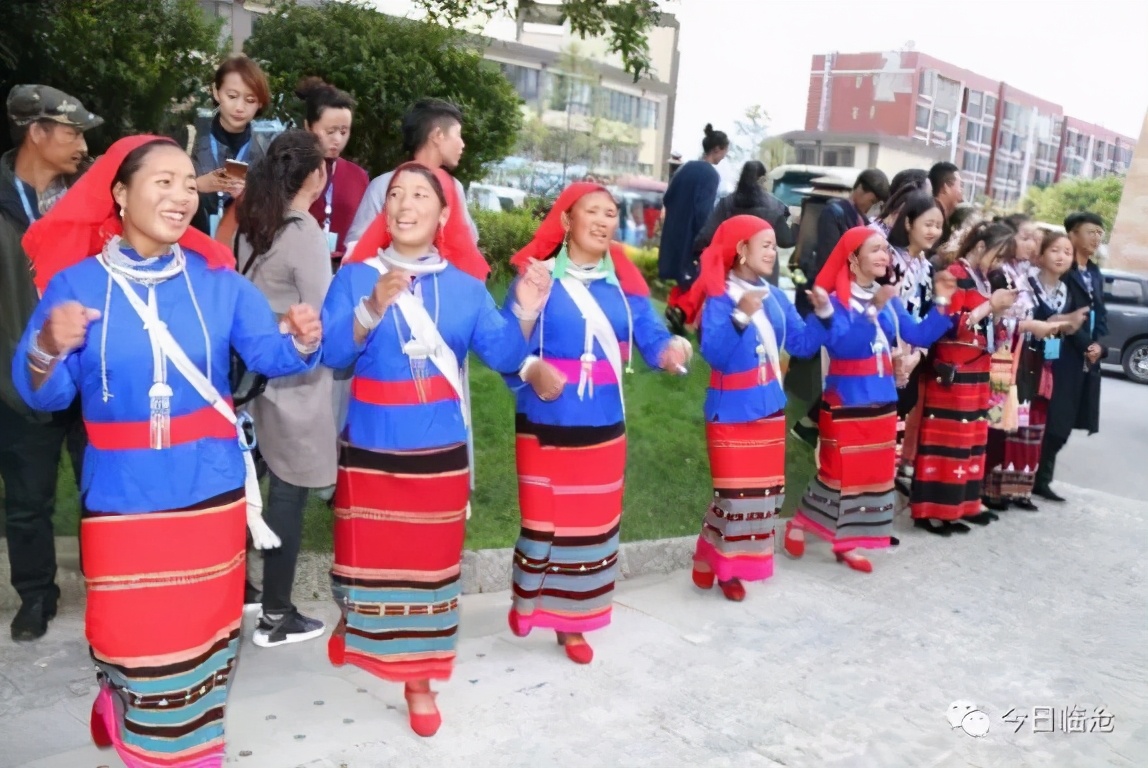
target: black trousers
29 464
284 515
1051 446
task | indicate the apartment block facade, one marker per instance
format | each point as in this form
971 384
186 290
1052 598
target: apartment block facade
1002 138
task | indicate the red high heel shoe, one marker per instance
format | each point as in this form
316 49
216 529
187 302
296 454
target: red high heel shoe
794 546
99 729
578 651
733 590
424 724
856 562
515 621
702 579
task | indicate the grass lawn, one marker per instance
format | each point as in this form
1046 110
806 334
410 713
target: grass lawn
667 475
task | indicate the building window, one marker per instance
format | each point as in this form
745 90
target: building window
975 104
973 133
806 155
922 117
524 79
927 85
837 156
649 114
1099 152
990 107
1011 113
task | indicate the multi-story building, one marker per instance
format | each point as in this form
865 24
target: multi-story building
1002 138
565 82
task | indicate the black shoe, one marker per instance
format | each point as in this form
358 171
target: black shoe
999 506
677 320
1025 504
802 432
933 526
31 621
1047 493
958 527
292 627
983 518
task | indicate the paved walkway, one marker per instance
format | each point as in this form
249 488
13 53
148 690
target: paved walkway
822 666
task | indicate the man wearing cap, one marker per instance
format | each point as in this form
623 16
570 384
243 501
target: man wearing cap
48 130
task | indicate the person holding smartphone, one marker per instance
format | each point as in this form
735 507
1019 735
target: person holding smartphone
224 145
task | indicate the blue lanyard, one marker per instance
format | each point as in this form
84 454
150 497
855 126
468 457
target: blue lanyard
219 163
29 211
242 153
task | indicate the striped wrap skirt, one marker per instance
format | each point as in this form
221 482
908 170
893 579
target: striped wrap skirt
400 525
949 470
850 501
570 483
747 464
164 607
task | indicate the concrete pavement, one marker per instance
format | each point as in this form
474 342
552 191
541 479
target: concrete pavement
821 666
1113 460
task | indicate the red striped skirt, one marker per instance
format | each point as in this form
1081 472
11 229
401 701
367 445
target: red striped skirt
164 606
400 525
570 486
850 501
950 463
747 463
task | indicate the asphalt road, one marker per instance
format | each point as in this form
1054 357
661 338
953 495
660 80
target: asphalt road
1112 460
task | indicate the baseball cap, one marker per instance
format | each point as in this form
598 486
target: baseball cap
28 103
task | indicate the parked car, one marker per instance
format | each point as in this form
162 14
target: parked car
1126 298
487 197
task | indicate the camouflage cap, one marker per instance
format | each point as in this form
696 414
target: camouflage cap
29 103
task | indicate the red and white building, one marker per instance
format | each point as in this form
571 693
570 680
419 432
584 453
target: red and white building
1002 138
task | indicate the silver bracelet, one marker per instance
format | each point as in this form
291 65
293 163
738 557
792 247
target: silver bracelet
38 354
364 316
942 301
305 349
522 314
527 364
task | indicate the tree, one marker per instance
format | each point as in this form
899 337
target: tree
142 65
623 24
387 64
756 143
1053 203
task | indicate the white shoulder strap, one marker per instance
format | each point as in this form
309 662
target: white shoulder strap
596 322
765 333
172 349
426 333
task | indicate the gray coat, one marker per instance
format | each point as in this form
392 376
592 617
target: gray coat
294 418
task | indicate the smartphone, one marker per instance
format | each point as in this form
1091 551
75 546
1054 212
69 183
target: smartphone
236 169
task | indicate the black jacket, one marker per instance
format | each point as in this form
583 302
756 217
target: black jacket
766 207
1075 400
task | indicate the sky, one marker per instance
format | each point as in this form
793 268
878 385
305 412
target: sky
1089 56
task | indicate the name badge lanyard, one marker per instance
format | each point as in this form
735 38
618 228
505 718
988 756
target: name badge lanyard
329 195
29 210
214 219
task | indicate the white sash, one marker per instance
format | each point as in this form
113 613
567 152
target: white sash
262 536
425 333
598 327
762 325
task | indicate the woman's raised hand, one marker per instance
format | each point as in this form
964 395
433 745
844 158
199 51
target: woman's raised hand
66 328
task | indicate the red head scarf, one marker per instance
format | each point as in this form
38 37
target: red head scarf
85 219
835 275
551 233
717 259
453 241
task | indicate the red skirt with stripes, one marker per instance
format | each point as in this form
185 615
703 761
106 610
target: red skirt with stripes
164 606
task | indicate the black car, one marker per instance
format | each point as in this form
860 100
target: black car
1126 297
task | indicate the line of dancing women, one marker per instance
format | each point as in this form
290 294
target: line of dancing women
140 313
